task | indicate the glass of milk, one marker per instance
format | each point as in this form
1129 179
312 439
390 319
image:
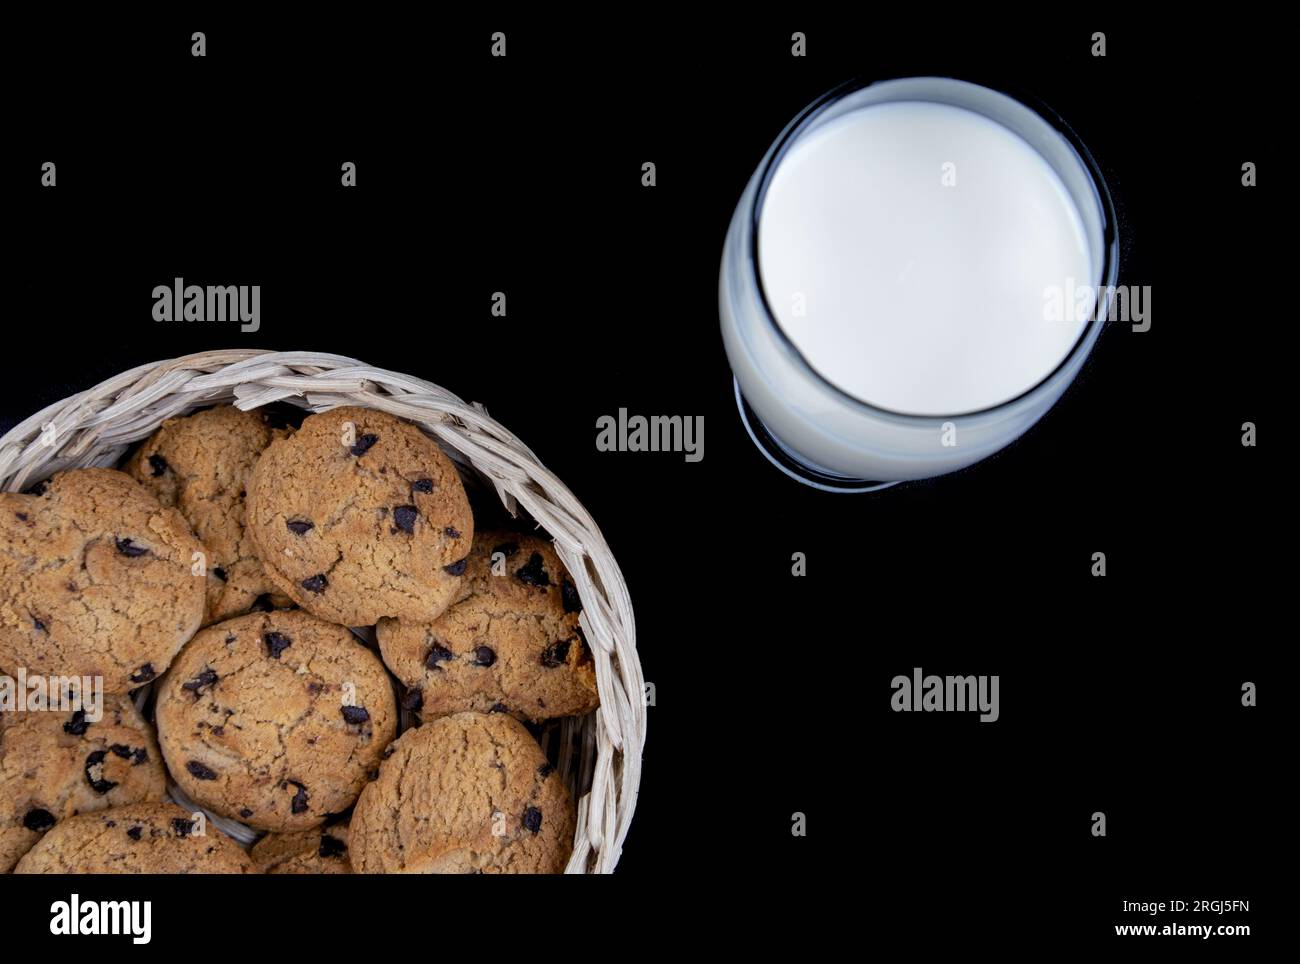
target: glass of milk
914 275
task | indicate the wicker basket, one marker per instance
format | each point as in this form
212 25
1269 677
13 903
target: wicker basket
599 754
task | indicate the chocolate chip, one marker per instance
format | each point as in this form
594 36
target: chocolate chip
144 674
545 770
136 756
134 833
557 654
38 820
95 765
355 714
532 573
263 604
129 549
413 701
457 568
422 485
363 444
219 573
38 489
506 549
533 819
78 725
332 847
499 708
299 527
404 517
40 626
569 596
182 827
158 464
316 583
438 653
484 656
245 813
299 802
199 772
21 516
276 643
207 678
451 532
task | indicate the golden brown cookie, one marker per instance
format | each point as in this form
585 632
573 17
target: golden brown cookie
96 579
320 851
200 464
509 643
468 793
275 719
143 838
57 764
359 515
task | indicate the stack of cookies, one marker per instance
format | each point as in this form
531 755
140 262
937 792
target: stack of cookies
216 590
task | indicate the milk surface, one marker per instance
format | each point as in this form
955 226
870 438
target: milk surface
907 250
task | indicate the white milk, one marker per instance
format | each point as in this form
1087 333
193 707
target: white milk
906 249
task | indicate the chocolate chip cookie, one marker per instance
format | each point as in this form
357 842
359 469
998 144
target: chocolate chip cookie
510 643
359 515
275 719
143 838
320 851
468 793
200 465
56 764
96 579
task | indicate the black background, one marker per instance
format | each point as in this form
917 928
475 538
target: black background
522 175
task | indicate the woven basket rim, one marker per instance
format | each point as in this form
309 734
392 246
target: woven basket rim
96 426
